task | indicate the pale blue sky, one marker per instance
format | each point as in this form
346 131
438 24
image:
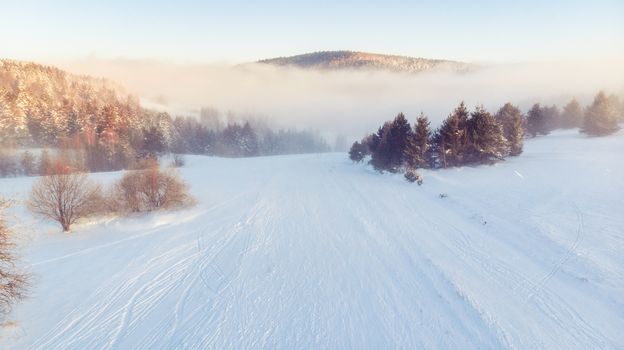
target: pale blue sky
238 31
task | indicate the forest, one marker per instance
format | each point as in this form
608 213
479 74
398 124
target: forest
100 127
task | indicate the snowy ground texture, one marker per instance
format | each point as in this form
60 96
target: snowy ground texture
311 251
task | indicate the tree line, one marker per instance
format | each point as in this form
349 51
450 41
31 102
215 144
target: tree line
104 128
478 137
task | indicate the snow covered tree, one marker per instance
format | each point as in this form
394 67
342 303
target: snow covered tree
486 139
536 121
600 116
419 144
512 121
572 115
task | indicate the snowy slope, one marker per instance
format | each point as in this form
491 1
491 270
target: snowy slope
310 251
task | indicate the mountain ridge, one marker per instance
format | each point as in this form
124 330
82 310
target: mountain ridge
359 60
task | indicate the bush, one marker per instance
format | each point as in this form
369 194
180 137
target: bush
357 152
412 175
13 284
149 189
65 196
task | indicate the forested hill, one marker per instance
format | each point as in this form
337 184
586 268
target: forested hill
42 105
105 128
351 60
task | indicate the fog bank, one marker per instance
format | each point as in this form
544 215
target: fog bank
350 102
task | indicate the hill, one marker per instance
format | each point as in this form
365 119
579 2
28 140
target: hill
351 60
311 251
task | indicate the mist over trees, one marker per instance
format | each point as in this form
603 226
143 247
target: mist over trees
601 117
103 128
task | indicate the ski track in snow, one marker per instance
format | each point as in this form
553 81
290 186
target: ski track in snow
311 251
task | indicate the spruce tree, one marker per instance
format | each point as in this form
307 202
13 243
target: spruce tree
536 121
399 135
552 118
572 115
389 151
511 119
600 116
27 163
381 155
419 144
486 139
451 138
357 152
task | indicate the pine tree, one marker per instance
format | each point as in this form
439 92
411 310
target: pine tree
486 139
389 152
552 118
511 119
249 141
419 144
536 121
600 116
572 115
357 152
451 138
400 133
45 163
27 163
381 155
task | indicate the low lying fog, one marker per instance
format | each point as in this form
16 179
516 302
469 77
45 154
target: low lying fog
350 102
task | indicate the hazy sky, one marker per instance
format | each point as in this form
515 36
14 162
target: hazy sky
238 31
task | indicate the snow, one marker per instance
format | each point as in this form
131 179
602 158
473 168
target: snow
311 251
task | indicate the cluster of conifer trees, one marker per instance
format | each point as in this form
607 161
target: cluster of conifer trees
478 137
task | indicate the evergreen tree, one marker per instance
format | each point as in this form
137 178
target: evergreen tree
511 119
45 163
381 155
451 138
536 121
418 146
486 139
357 152
572 116
552 118
389 153
600 116
27 163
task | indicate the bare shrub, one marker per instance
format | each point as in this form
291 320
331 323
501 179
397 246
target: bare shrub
65 196
13 284
412 175
149 189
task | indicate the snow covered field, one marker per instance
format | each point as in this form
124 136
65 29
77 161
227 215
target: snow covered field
311 251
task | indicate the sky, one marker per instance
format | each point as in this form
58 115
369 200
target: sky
236 31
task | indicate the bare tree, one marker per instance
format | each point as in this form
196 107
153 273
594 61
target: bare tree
65 196
149 189
13 284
